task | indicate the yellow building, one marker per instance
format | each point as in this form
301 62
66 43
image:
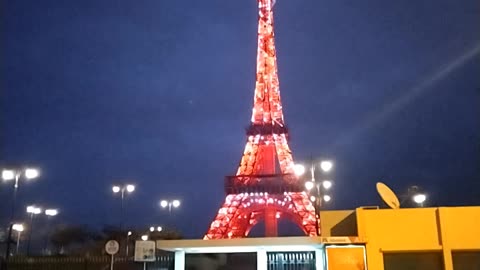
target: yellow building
366 238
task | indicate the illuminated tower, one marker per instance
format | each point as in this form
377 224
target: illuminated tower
263 188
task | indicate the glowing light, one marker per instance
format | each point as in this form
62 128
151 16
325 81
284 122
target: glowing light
116 189
309 185
326 165
152 229
51 212
129 233
175 203
8 175
327 198
163 203
18 227
327 184
33 210
419 198
130 188
312 198
31 173
144 237
299 169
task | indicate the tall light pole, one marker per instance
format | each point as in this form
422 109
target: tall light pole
32 210
320 187
50 213
170 204
16 175
19 229
128 188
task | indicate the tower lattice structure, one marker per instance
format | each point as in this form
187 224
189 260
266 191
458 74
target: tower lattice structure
258 192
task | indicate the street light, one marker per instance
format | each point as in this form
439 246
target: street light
309 185
414 193
144 237
298 169
129 233
326 165
419 198
158 229
9 175
170 204
122 189
50 213
19 229
32 210
316 188
327 184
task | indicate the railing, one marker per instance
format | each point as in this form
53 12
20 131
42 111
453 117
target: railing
291 260
273 184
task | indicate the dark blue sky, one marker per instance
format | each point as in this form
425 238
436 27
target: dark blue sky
93 92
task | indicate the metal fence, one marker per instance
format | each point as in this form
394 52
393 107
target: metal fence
291 260
163 262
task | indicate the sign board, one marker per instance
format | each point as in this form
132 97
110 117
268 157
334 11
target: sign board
112 247
144 251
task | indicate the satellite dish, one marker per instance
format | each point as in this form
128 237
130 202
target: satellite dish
388 196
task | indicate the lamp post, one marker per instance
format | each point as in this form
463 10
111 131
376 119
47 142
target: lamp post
318 188
32 210
129 233
50 213
19 229
170 204
128 188
16 175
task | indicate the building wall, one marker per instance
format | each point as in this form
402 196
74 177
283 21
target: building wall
338 223
419 235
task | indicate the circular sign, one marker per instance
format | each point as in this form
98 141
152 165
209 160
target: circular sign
112 247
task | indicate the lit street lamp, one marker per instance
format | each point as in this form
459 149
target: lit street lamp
298 169
170 204
327 184
122 189
50 213
318 188
419 199
144 237
129 233
16 175
32 210
415 194
19 229
326 165
158 229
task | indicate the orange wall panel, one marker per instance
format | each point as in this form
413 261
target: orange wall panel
345 258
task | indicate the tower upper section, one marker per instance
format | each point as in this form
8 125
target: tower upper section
267 109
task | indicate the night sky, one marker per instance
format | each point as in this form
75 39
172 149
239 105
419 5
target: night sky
160 92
